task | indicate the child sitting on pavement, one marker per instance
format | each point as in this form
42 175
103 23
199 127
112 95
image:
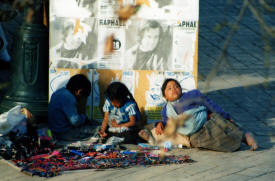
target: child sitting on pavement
205 124
67 111
121 114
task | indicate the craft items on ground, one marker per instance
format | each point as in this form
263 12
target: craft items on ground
39 154
45 160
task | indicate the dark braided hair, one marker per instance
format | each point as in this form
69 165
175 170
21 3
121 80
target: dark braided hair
118 91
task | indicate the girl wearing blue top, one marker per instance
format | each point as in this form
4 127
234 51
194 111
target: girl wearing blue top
207 126
121 114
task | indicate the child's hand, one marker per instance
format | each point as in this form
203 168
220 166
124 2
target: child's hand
27 113
159 128
102 134
30 117
114 123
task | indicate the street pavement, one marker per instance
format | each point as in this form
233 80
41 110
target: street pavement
244 85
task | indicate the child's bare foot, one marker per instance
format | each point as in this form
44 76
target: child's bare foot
146 135
250 140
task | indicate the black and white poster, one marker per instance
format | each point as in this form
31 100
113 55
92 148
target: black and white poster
161 36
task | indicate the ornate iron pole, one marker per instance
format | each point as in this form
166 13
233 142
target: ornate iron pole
29 66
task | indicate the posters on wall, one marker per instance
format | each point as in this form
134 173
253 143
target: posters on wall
158 42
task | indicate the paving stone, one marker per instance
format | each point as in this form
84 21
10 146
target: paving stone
256 172
269 176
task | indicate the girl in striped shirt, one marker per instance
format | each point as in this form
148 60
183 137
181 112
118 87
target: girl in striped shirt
121 114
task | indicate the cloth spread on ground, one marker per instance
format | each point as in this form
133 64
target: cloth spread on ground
44 159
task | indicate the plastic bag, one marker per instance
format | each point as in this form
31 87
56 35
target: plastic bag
114 140
11 119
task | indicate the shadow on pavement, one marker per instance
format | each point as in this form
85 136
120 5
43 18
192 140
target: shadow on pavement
253 107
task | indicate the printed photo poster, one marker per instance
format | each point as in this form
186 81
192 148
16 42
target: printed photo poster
168 9
73 9
110 28
185 46
72 43
59 78
107 8
151 47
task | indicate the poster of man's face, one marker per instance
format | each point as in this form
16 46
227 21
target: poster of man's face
150 39
145 52
74 42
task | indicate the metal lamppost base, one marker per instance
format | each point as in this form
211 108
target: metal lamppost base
29 70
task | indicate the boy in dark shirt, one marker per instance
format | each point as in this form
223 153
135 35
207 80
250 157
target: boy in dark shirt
67 115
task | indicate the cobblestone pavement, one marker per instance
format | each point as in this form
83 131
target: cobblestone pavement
244 87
